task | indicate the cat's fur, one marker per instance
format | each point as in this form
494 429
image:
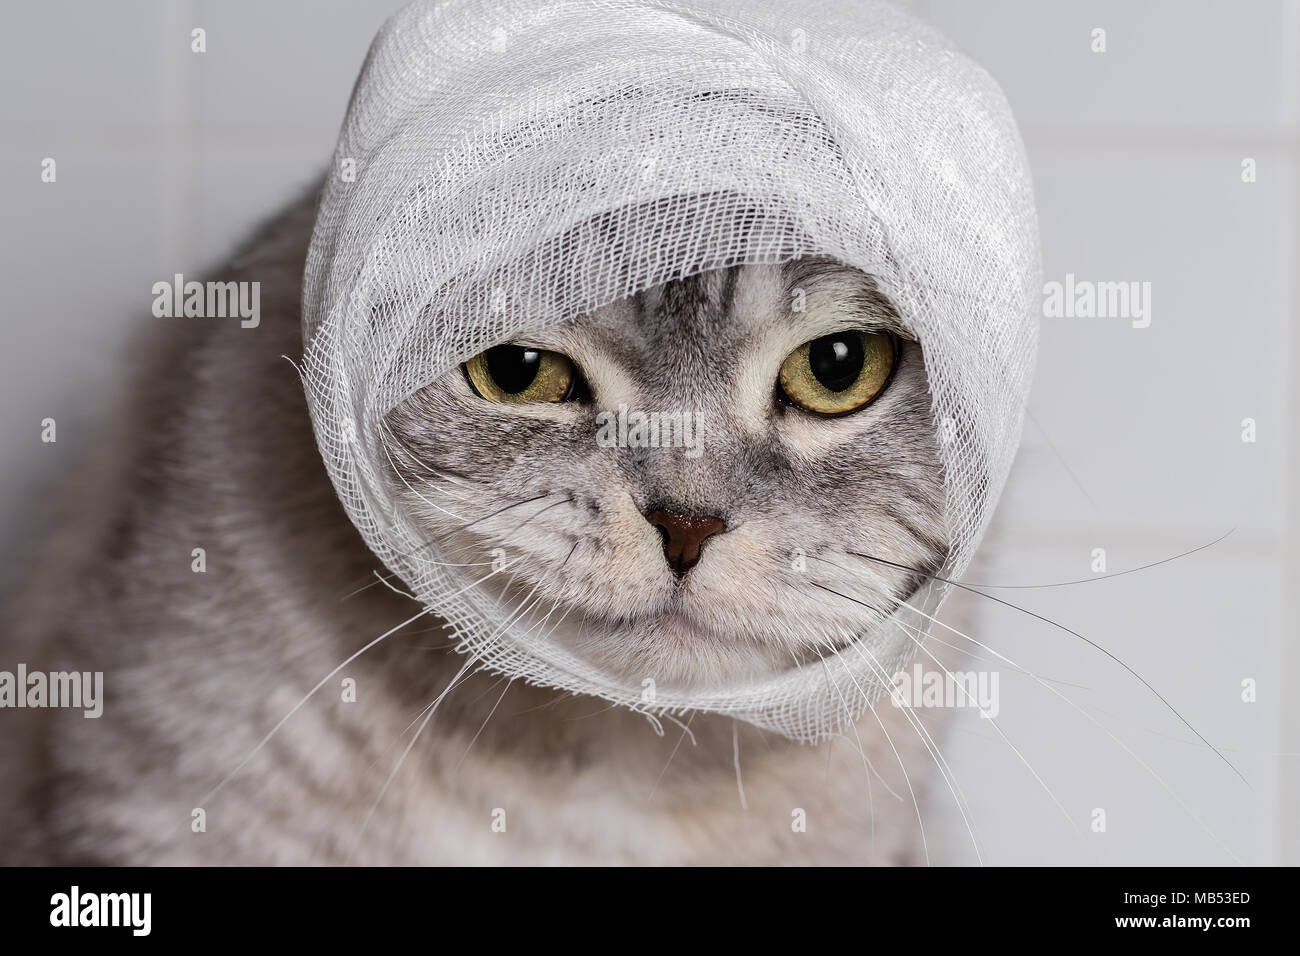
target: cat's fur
216 452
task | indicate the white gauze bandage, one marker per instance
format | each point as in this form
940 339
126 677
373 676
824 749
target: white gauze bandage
525 161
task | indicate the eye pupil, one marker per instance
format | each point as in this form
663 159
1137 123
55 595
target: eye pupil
836 360
513 367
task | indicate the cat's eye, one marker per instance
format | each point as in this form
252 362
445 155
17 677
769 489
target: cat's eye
519 374
838 373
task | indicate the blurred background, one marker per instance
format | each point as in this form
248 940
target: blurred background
1134 445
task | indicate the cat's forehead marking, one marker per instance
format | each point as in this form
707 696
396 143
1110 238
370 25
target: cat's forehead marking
702 319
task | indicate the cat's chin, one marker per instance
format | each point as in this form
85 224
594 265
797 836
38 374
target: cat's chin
677 651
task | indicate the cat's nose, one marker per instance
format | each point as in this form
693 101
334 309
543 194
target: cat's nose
684 536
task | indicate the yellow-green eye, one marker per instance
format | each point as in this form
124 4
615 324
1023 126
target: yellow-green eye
839 373
518 374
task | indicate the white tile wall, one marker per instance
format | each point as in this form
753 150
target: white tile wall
1172 68
167 157
1134 443
1149 419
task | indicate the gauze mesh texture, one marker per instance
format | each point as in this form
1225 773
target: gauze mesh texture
522 162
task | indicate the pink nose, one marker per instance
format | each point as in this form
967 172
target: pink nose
684 536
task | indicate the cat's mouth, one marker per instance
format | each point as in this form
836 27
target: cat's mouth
674 623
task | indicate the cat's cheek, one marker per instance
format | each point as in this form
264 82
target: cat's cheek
808 439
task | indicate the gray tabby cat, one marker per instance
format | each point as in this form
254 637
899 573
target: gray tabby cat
644 560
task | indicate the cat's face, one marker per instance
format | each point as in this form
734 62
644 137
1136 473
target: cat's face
731 556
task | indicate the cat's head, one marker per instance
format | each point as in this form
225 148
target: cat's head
507 172
688 486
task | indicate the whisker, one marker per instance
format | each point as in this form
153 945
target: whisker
1086 640
566 501
686 728
523 608
545 704
1096 577
1106 730
361 584
1014 749
1014 670
1061 460
484 724
380 579
735 759
685 731
323 681
283 720
959 798
455 681
439 539
386 437
386 577
594 713
398 471
493 514
867 767
487 690
916 805
402 759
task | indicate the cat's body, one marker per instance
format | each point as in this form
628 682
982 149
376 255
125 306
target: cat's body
217 453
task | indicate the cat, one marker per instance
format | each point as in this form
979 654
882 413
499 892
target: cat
641 560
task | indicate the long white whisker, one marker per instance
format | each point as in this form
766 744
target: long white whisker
455 681
735 759
1125 747
685 731
296 707
398 471
1014 749
402 759
386 436
959 798
916 805
483 726
323 681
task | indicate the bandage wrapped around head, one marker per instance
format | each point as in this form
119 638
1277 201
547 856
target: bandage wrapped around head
542 158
